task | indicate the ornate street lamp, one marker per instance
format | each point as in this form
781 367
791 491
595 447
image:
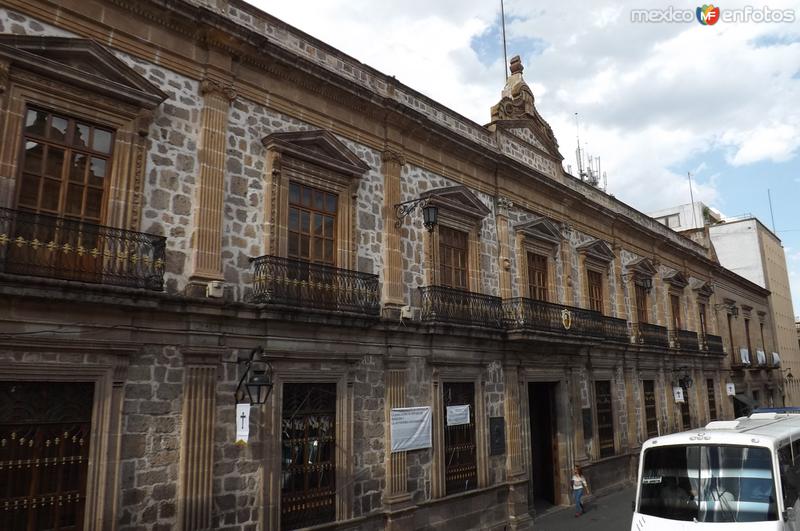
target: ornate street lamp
430 213
256 382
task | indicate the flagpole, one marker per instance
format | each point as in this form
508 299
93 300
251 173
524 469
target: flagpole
505 52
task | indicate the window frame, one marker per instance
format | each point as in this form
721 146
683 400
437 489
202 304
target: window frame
642 296
594 302
453 243
606 431
312 212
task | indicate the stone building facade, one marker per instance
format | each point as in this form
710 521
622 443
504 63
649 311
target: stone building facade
184 183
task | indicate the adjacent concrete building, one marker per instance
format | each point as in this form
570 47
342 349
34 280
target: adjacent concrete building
745 246
195 196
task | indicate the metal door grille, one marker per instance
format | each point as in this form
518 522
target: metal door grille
461 470
712 400
44 451
605 418
308 492
651 420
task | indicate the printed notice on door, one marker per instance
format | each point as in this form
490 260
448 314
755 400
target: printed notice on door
457 415
411 428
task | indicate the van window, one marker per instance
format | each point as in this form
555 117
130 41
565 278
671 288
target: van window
790 476
708 483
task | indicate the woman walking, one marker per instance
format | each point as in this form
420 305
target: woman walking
579 485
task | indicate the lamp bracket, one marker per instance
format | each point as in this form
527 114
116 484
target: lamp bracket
404 209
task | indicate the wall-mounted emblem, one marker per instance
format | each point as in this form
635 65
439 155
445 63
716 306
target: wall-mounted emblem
566 318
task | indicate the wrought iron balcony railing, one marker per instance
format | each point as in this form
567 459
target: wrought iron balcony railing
616 329
303 284
714 344
57 247
450 305
649 334
529 314
688 340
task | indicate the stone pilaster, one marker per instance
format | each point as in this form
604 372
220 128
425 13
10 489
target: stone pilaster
197 438
209 197
566 267
630 401
619 293
392 296
396 461
504 258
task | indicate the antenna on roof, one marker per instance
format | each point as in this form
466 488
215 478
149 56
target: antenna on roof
578 154
505 52
691 195
771 215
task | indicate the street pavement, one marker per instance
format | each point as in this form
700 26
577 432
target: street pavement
605 513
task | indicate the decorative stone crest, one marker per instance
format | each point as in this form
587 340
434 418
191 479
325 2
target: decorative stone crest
566 318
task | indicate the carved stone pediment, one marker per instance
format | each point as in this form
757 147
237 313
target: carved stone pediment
541 229
458 200
676 279
702 287
319 147
642 267
597 250
82 63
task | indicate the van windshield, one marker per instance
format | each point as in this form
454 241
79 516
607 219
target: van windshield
708 483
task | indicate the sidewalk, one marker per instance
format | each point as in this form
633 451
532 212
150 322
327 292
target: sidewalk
611 512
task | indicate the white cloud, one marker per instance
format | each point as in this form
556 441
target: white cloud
650 96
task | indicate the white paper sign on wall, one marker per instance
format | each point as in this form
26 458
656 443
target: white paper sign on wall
678 393
242 423
730 389
457 415
411 428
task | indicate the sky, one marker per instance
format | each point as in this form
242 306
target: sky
654 100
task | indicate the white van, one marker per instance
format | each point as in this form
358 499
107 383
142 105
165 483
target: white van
739 474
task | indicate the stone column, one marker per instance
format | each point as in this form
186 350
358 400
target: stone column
197 438
210 194
393 296
504 258
577 414
583 282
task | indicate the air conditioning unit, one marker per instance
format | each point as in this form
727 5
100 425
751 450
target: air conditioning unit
410 312
215 289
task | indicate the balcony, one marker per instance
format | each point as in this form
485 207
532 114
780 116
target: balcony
301 284
649 334
56 247
714 344
683 339
533 315
450 305
616 329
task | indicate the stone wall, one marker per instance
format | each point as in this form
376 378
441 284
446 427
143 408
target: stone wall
494 396
151 428
369 418
237 485
418 462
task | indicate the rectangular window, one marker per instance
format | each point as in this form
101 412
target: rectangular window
686 417
730 338
702 314
312 224
64 167
641 303
747 337
757 398
460 457
605 417
453 258
308 427
595 285
675 304
712 400
650 415
537 277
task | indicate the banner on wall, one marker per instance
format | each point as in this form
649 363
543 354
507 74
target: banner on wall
457 415
730 389
411 428
242 423
678 393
